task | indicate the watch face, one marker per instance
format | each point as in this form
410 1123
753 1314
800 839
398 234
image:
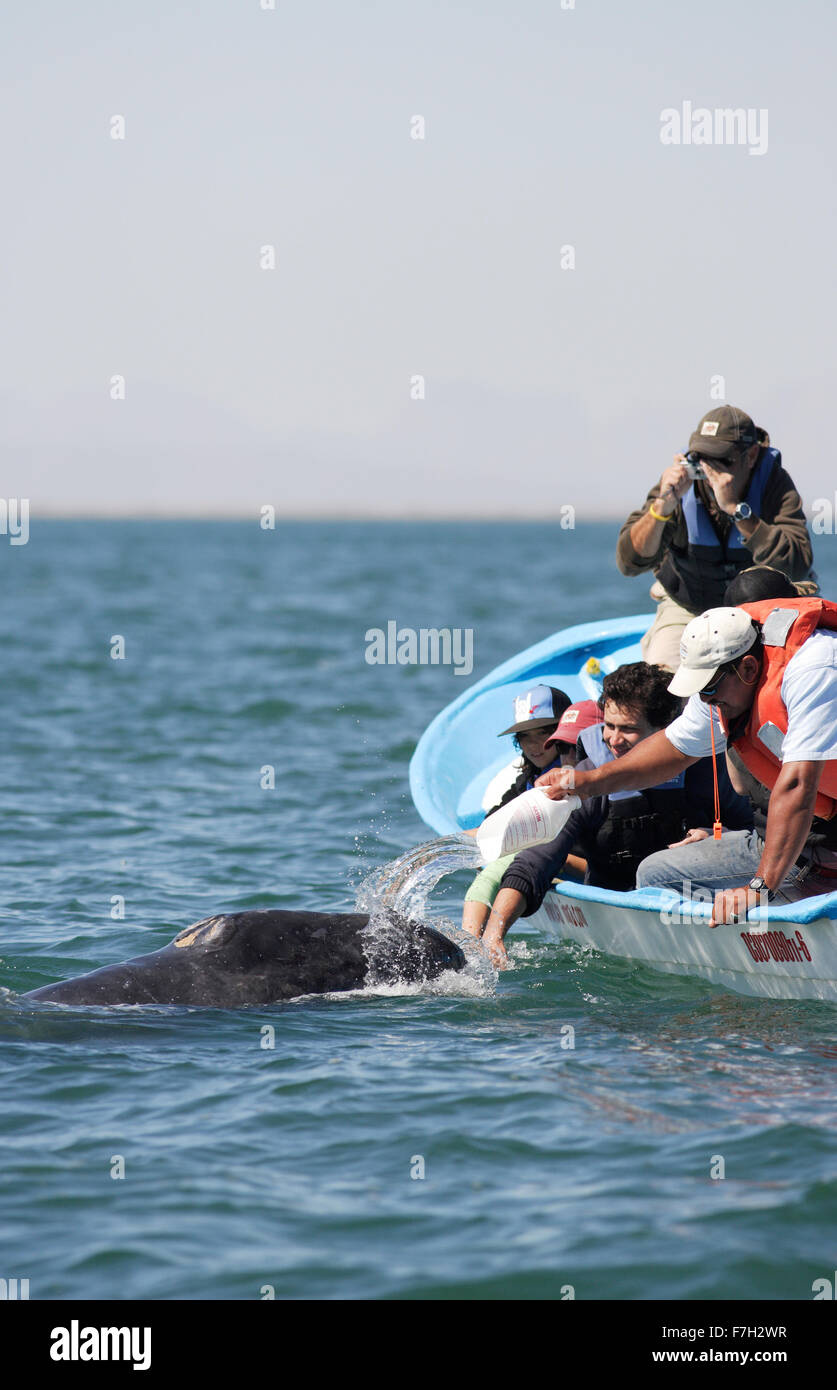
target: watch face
743 511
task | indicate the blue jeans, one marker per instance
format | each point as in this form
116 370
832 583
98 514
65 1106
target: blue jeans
712 865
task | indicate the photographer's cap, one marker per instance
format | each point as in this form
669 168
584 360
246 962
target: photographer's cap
719 635
721 432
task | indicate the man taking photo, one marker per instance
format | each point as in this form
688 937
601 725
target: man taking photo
725 505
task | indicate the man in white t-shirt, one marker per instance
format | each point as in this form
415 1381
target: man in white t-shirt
747 669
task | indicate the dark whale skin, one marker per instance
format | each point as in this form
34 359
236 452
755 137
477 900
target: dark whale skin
243 958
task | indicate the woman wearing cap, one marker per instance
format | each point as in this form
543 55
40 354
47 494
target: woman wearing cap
545 743
725 505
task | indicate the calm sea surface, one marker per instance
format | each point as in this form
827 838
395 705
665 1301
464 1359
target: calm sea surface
248 1167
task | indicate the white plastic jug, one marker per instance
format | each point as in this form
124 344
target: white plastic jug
531 819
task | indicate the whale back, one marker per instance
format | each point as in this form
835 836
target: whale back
246 958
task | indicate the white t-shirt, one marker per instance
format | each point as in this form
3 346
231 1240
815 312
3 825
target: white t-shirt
809 693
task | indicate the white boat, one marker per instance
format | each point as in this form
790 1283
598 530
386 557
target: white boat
781 952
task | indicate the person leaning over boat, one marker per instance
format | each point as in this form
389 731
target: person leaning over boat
615 833
769 670
697 533
536 719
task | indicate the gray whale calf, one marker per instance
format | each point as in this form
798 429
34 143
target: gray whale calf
264 957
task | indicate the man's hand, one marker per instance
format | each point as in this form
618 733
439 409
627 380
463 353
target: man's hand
560 783
673 484
508 906
728 486
492 940
691 838
732 906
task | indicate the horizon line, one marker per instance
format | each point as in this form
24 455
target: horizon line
150 515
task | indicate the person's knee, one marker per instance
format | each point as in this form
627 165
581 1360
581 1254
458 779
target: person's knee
657 871
663 648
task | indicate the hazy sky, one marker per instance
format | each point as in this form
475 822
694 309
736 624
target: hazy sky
395 256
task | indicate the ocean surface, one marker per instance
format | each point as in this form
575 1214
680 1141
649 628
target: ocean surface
297 1169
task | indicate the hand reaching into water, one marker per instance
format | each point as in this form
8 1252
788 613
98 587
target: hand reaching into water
493 943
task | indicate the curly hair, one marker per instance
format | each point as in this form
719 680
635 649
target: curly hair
644 688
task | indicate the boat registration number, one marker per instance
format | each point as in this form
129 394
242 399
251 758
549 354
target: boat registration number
774 945
572 915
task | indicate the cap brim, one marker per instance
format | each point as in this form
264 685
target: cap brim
712 448
529 724
571 733
688 680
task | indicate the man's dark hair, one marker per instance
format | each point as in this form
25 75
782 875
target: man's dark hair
643 688
756 583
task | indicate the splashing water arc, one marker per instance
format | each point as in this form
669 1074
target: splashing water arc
404 886
406 882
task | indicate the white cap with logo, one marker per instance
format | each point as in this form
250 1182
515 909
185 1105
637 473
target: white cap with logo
537 709
719 635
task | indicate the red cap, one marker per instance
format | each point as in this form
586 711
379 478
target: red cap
581 715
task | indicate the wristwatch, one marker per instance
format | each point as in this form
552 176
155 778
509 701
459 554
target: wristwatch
759 886
743 512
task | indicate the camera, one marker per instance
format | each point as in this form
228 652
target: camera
692 466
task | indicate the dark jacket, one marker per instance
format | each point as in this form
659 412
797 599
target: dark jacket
595 830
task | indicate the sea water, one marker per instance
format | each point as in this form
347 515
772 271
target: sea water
556 1126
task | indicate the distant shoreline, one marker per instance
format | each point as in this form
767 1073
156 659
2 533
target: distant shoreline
309 517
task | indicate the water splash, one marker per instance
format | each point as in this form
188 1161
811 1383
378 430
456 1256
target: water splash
405 883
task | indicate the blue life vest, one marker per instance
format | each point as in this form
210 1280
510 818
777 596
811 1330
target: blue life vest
698 523
698 575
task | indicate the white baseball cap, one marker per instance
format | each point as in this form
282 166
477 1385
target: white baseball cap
719 635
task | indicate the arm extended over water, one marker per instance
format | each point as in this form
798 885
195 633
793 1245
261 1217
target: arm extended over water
653 761
788 823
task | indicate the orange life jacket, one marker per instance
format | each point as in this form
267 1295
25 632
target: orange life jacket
759 747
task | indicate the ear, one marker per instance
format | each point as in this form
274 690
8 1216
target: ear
748 669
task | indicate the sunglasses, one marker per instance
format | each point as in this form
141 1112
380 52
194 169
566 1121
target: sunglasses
717 680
